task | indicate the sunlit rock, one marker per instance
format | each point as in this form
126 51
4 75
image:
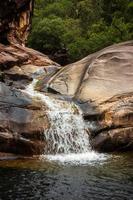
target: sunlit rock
102 84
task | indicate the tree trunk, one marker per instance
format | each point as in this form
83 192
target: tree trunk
15 21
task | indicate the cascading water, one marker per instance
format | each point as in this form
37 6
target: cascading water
67 138
67 133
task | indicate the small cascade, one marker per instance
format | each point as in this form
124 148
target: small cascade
67 133
67 138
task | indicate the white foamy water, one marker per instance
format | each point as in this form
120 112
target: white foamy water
90 157
67 138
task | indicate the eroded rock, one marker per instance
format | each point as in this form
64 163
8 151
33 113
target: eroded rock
19 65
102 85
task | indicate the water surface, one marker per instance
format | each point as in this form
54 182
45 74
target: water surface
110 178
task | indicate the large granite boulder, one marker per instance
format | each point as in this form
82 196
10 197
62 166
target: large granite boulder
102 85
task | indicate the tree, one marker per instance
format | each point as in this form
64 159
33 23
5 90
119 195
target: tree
15 20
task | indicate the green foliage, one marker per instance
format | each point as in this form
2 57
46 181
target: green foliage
46 34
80 26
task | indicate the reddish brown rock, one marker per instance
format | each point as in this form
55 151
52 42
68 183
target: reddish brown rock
19 65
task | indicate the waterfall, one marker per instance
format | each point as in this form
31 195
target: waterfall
67 138
67 133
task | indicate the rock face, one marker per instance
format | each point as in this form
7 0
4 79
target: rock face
22 122
19 65
22 118
102 84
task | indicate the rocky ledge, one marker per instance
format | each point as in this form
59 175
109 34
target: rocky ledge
101 84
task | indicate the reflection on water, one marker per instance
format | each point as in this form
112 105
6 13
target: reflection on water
40 179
